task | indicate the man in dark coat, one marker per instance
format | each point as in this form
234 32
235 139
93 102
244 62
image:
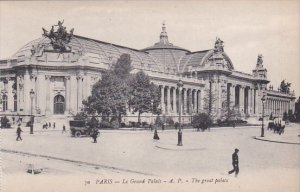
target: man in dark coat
235 163
95 135
19 130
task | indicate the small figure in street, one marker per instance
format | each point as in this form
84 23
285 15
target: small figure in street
64 129
233 124
163 127
95 135
54 125
156 137
176 125
19 130
151 127
235 163
49 125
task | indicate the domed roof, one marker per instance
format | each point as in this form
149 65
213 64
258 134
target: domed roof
99 51
164 42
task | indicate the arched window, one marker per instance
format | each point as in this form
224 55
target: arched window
59 104
4 102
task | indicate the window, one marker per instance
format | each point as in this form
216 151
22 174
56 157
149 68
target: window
4 102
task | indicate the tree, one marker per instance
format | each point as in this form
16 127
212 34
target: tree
110 94
201 121
144 96
123 67
285 87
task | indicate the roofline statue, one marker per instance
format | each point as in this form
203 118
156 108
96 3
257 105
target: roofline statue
60 38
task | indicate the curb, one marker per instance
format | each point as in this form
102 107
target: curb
74 161
292 143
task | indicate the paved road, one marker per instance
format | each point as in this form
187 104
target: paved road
204 154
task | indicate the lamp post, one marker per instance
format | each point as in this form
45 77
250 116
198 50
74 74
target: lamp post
180 85
263 99
31 110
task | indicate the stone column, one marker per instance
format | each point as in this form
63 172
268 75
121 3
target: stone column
68 92
232 96
10 96
79 92
250 95
162 99
48 92
184 101
249 108
39 87
34 87
195 101
18 82
242 97
199 101
168 100
190 101
174 101
27 101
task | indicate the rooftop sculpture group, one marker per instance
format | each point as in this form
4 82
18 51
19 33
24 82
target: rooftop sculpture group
59 38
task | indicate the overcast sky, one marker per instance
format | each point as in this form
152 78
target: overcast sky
248 28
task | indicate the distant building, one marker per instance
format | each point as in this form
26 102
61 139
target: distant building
53 74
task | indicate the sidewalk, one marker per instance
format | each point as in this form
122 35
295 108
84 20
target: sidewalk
291 135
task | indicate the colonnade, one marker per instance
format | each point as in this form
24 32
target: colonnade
190 104
277 106
244 99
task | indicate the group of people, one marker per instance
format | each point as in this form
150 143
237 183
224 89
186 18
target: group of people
277 125
48 125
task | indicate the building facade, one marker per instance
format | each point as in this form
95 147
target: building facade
53 74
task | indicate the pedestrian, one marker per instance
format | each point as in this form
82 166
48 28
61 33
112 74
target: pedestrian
156 137
163 127
95 135
176 125
19 130
49 125
54 125
64 129
233 124
235 163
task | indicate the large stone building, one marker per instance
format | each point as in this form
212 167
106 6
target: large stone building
53 74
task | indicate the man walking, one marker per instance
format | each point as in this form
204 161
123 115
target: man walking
95 134
64 129
235 163
19 130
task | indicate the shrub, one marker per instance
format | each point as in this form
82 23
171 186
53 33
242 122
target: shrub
169 120
80 116
158 121
201 121
5 122
115 124
105 124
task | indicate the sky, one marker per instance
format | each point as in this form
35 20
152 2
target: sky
248 28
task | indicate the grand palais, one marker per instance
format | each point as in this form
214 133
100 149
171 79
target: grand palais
51 75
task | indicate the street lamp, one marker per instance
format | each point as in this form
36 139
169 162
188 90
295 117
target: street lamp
31 109
263 99
180 85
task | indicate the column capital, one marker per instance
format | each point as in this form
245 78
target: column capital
67 77
79 77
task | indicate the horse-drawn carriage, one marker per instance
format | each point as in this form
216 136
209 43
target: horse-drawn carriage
277 125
